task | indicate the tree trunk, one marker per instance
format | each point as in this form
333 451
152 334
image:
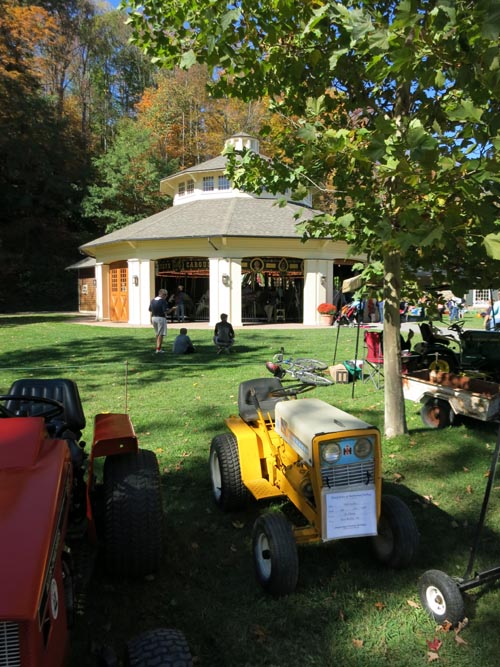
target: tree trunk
395 418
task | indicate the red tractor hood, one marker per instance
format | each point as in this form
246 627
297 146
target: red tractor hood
35 485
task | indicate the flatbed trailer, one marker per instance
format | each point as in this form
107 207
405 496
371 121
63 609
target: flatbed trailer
444 396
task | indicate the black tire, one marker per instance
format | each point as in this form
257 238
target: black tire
441 597
398 538
275 554
436 413
163 647
133 514
228 490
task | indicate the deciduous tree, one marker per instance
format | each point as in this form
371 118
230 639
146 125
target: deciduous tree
391 108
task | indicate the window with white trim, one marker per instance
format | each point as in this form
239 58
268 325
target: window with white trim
208 184
190 187
223 183
182 189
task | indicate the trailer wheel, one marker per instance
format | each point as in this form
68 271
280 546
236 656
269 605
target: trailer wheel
436 413
164 646
441 597
275 554
227 487
133 513
397 541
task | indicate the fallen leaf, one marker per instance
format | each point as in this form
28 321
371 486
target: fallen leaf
460 641
392 456
358 643
465 469
463 624
259 633
379 605
238 524
486 474
435 644
397 477
431 656
413 604
446 626
233 548
468 488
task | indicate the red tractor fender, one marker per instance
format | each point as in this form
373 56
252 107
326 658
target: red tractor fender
113 435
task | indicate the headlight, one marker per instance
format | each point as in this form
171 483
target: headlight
363 448
331 452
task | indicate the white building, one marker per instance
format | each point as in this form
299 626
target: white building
232 252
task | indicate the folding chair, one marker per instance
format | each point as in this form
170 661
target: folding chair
374 358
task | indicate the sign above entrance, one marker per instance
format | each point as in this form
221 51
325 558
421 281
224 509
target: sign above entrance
182 265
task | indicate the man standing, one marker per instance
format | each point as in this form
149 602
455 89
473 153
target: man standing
158 309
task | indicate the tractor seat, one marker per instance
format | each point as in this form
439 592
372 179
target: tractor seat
263 387
62 390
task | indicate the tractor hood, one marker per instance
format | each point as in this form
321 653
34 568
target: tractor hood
35 485
299 422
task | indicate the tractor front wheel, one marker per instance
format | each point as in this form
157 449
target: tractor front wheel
275 554
227 487
441 597
164 646
133 513
397 541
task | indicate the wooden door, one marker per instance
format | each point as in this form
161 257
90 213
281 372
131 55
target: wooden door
118 285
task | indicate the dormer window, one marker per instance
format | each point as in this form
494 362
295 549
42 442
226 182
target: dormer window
190 187
182 189
208 184
223 183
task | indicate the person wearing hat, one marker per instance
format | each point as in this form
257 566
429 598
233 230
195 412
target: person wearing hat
158 309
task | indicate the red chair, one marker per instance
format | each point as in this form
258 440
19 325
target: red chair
374 358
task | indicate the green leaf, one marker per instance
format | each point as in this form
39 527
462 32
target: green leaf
492 244
188 59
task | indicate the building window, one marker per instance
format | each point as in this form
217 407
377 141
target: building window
182 189
482 296
190 187
223 183
208 183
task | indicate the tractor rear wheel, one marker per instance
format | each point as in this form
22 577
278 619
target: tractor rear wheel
397 541
275 554
441 597
164 646
227 487
133 513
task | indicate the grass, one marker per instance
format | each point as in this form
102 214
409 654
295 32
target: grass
347 609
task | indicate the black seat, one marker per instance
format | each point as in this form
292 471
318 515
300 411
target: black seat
62 390
426 332
263 387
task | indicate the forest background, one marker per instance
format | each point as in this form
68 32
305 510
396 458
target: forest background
88 127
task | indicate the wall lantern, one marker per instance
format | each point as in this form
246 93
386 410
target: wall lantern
226 280
135 280
323 281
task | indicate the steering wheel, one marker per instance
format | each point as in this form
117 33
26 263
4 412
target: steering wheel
54 408
291 390
457 326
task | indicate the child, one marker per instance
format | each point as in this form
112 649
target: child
182 343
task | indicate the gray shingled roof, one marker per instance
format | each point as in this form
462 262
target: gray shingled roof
232 217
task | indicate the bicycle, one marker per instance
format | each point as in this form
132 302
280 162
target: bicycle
305 370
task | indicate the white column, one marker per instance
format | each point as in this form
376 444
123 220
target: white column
318 287
101 291
140 289
225 289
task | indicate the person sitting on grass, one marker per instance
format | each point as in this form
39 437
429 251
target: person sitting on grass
182 343
223 334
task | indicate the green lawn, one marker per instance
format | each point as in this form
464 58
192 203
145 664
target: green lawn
348 610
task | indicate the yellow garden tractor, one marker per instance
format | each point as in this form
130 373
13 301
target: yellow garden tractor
326 462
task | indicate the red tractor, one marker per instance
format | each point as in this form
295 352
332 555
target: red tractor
52 505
